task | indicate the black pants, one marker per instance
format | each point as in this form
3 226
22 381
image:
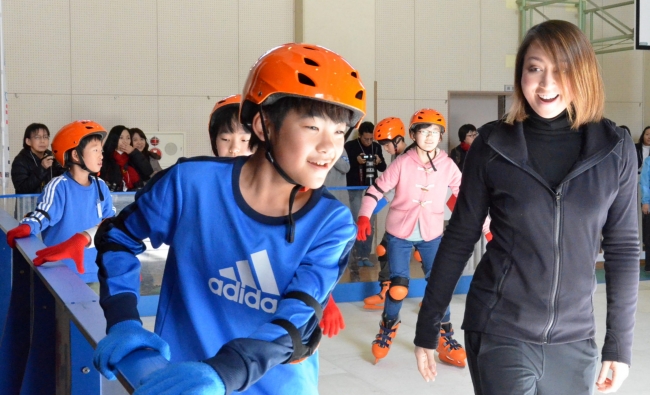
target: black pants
503 366
645 230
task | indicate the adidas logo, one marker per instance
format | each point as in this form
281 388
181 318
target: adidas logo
245 289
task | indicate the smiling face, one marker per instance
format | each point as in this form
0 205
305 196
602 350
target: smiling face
231 144
125 138
428 138
138 142
307 147
541 83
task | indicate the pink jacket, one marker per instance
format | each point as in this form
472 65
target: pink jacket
420 194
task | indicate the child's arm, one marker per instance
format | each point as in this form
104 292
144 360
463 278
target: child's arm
50 207
386 182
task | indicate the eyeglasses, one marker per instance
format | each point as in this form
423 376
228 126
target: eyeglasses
427 133
472 134
38 138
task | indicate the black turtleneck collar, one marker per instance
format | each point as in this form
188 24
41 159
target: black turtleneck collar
553 147
559 123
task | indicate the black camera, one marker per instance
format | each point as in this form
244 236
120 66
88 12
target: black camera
371 173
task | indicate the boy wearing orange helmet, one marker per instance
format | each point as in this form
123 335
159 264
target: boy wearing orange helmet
228 137
72 202
245 311
420 178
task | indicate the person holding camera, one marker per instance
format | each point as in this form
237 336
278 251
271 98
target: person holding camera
366 160
34 166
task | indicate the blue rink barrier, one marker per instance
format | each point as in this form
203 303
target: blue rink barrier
52 324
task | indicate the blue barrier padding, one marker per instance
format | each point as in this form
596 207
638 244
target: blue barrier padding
147 305
380 205
85 378
356 292
40 373
5 279
14 349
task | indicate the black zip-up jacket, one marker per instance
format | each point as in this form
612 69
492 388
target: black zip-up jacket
535 283
27 174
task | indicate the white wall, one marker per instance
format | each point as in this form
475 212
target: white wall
162 64
159 65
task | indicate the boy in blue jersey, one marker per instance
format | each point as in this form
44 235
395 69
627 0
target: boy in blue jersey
229 138
254 255
72 202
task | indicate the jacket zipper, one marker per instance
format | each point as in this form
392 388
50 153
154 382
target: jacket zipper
556 272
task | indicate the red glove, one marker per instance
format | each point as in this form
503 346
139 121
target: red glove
332 321
364 228
72 248
488 236
20 231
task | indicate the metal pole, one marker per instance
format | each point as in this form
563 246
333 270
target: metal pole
4 108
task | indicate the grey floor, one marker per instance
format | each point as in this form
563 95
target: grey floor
346 362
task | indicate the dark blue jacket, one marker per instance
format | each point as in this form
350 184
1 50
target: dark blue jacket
536 281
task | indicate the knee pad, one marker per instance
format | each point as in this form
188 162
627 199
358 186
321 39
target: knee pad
382 251
399 288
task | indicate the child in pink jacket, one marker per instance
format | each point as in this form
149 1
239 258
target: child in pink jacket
420 178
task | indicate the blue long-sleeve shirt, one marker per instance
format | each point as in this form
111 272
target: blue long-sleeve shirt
645 182
66 207
227 272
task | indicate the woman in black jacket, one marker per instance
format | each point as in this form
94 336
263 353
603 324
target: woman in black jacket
555 177
124 168
34 166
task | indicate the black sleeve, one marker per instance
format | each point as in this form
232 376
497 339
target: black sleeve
621 252
457 245
26 179
141 164
382 165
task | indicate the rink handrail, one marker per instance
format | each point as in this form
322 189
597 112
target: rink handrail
82 306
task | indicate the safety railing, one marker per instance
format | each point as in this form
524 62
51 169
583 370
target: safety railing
52 324
52 320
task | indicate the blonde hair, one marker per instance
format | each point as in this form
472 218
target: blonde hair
566 45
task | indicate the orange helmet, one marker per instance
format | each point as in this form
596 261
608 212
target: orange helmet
389 129
228 101
303 70
429 115
71 134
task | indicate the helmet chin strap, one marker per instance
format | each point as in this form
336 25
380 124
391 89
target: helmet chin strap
429 154
291 229
83 166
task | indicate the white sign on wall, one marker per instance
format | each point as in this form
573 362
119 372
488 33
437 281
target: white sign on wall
170 147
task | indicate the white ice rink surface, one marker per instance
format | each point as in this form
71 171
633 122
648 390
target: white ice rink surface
346 362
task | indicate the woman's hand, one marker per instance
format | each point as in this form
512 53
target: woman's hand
127 148
645 208
620 371
426 363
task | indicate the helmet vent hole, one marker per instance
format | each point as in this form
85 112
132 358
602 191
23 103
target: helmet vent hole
354 74
310 48
310 62
359 95
303 79
89 127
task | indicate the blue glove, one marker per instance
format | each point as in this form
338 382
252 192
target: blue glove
196 378
122 339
